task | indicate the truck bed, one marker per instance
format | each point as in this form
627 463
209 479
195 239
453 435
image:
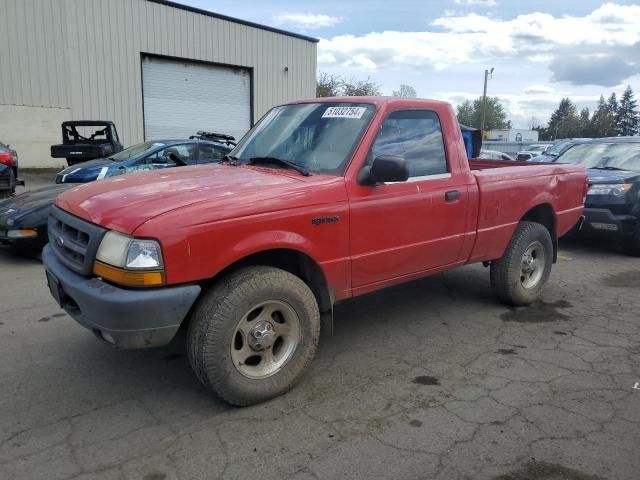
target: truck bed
482 164
507 190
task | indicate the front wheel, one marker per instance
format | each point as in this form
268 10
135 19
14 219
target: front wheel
632 244
519 276
253 335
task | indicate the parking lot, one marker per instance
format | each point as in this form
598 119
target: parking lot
430 380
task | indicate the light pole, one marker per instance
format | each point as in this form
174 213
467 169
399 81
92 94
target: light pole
484 100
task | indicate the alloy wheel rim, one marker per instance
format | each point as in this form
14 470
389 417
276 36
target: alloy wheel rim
265 339
532 265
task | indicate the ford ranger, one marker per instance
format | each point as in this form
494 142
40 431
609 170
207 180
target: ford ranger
321 201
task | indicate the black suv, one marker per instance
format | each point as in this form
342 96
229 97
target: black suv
613 202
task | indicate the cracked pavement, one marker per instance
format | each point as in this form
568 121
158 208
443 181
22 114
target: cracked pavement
429 380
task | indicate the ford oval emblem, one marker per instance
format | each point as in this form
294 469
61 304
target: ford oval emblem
60 241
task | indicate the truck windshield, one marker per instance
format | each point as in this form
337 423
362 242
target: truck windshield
623 156
320 137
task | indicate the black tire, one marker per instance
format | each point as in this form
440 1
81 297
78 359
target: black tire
12 180
214 329
508 280
632 244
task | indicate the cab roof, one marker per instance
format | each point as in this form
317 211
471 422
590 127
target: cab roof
377 101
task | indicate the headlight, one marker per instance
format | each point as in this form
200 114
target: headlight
129 261
615 189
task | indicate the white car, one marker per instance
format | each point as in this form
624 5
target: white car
533 151
494 155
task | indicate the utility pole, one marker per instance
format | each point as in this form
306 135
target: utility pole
484 101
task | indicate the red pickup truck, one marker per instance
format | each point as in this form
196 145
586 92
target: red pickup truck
322 200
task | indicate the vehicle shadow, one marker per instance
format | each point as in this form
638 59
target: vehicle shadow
10 256
106 371
591 244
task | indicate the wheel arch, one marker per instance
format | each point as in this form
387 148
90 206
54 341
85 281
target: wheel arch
293 261
544 214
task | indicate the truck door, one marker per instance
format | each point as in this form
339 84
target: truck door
402 228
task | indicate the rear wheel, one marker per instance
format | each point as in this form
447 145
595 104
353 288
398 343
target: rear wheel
519 276
253 335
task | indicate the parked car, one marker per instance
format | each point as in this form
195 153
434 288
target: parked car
612 206
8 170
494 155
551 155
23 219
146 156
323 200
525 156
76 147
533 151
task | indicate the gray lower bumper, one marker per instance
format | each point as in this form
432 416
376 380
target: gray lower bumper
127 318
604 220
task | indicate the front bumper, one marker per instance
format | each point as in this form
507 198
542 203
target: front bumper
127 318
605 221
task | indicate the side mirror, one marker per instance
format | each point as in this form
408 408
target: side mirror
385 168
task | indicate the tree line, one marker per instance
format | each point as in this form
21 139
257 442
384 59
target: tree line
328 85
611 118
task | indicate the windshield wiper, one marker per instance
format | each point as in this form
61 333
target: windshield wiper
608 168
300 169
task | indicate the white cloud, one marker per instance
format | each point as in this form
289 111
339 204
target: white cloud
306 21
555 42
484 3
537 89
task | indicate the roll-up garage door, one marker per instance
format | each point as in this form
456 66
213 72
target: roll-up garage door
183 97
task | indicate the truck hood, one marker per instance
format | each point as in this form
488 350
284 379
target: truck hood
612 176
124 203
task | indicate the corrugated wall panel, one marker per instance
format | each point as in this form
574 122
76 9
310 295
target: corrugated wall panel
85 55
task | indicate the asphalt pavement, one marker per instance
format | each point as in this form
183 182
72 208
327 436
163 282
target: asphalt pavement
434 379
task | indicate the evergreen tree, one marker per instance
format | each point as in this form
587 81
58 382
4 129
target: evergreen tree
564 121
612 103
584 124
627 116
543 133
603 119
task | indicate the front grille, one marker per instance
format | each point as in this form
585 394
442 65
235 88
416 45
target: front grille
4 181
74 241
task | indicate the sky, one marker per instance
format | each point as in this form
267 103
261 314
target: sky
540 50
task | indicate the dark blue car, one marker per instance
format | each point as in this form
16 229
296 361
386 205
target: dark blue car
147 156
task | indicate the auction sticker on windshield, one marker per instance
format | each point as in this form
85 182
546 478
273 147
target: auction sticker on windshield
344 112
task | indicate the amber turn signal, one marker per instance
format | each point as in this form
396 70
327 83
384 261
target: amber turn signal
129 278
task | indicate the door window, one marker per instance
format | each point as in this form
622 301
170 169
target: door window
416 136
211 153
163 157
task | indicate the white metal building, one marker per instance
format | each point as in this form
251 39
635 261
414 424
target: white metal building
513 135
156 68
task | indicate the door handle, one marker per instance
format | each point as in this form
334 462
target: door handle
452 196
